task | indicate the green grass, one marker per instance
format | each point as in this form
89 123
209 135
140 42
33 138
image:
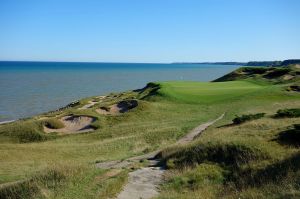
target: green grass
250 159
53 123
165 113
80 181
207 92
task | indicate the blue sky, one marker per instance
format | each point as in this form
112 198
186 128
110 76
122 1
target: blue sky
149 30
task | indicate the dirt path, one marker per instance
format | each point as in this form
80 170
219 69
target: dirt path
143 183
197 131
92 103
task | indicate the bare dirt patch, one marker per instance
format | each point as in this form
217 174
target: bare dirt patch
92 102
73 124
120 107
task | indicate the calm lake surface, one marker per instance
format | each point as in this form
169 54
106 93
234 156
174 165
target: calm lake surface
29 88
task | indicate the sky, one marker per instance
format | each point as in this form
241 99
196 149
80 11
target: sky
149 30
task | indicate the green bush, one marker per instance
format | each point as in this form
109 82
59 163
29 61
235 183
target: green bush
244 118
293 112
54 123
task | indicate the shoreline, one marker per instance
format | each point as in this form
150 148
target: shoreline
7 121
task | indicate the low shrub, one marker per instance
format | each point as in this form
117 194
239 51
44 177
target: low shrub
54 123
293 112
244 118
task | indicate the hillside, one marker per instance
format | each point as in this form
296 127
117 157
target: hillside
273 63
53 155
283 74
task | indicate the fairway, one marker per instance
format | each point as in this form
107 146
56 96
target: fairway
160 120
207 92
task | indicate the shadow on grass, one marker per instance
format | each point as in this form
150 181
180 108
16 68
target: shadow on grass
290 137
274 173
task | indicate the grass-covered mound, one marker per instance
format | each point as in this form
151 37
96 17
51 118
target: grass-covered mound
24 131
283 74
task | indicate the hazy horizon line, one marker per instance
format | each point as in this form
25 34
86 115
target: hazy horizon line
122 62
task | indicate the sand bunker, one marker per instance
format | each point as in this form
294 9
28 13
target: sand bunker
74 124
118 108
288 77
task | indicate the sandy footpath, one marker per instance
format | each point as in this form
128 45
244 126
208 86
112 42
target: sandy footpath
143 183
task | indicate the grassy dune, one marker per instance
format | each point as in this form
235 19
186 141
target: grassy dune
166 112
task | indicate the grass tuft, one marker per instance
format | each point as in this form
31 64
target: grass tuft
54 123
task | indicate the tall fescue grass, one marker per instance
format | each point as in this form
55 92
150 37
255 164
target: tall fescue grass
25 131
243 161
53 123
64 181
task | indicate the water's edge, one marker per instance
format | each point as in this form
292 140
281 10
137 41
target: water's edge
28 89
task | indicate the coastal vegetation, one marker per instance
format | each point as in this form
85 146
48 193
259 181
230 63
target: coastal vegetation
245 118
258 158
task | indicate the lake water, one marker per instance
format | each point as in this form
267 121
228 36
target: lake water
29 88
